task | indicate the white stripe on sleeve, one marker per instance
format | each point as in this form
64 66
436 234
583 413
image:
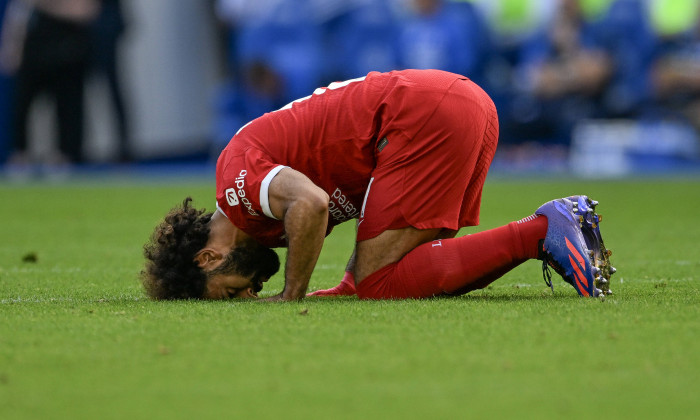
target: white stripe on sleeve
264 193
220 210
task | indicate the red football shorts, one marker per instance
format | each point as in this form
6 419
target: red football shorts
431 174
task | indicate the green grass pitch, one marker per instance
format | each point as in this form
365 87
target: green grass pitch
78 339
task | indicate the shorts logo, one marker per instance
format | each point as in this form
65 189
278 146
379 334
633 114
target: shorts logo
231 197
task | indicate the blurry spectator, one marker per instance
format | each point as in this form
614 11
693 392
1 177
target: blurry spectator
548 64
513 23
625 33
288 41
566 61
444 35
563 76
363 40
258 92
108 29
676 71
276 54
15 16
55 45
5 95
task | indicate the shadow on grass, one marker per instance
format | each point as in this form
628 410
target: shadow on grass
473 297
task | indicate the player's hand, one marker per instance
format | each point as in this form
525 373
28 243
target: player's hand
280 298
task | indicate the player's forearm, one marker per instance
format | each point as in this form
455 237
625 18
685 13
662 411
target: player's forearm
305 225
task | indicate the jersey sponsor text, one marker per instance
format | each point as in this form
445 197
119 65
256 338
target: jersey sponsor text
340 207
231 197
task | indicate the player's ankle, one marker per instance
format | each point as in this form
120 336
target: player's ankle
532 230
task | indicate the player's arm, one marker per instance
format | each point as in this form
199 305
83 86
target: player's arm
303 207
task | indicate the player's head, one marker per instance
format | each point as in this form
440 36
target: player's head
240 273
172 269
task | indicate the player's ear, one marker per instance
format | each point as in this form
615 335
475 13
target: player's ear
206 257
248 293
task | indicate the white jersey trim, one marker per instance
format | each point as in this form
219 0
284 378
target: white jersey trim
364 202
264 193
219 210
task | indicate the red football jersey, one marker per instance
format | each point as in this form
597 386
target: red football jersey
331 136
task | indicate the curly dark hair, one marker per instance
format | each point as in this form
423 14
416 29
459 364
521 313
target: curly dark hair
171 272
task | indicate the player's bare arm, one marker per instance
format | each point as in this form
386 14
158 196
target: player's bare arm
303 207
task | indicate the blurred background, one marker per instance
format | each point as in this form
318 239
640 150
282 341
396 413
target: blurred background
584 87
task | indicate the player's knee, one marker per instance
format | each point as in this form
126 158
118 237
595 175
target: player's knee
377 285
394 281
388 248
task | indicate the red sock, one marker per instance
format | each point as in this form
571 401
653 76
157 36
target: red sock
345 288
456 266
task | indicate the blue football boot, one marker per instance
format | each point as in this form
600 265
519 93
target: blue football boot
574 247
